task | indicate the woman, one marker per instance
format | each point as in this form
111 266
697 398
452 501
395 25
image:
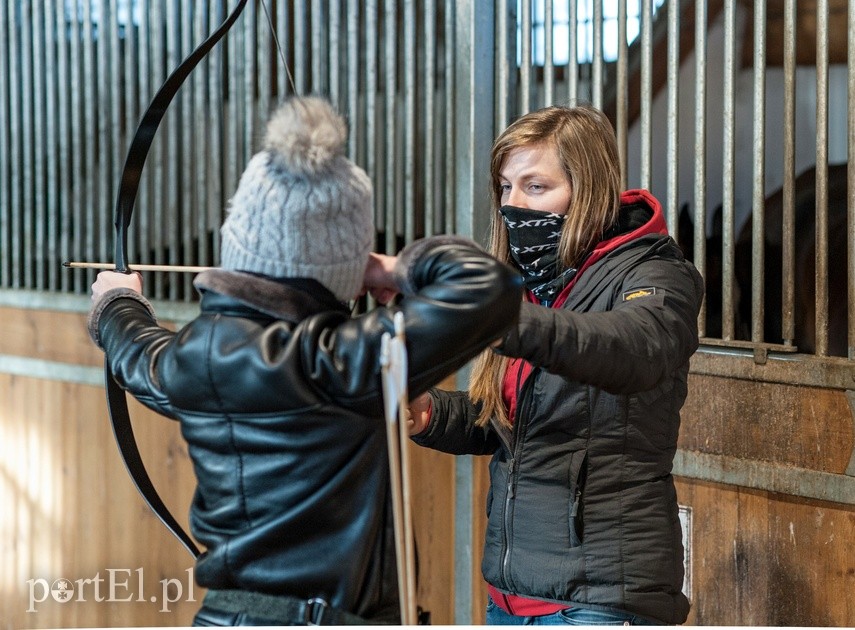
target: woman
579 403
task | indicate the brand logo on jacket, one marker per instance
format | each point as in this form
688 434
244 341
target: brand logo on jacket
637 293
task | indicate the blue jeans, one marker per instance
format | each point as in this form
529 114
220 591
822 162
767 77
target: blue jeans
567 617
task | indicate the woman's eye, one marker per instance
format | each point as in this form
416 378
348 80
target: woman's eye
506 188
536 187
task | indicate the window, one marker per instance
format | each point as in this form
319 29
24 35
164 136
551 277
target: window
584 26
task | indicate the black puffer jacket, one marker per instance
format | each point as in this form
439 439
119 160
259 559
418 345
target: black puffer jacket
278 391
582 506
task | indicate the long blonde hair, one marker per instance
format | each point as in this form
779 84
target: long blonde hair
585 142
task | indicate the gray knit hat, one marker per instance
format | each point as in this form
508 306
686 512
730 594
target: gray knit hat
302 209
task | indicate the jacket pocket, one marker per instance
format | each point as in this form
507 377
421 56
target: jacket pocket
578 473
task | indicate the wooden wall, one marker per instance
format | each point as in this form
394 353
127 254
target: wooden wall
764 552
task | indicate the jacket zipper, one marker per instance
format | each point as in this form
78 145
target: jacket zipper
512 481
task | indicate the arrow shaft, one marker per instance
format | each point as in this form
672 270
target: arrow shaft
106 265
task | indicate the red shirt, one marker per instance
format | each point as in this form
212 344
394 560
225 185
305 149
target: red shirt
522 606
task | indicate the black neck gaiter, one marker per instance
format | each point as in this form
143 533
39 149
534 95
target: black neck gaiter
533 239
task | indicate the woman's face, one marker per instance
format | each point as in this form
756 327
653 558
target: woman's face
532 178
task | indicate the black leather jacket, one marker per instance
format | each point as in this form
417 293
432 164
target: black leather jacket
278 391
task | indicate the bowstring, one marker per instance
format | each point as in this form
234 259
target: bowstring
278 46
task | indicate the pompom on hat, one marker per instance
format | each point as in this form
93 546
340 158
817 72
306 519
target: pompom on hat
302 209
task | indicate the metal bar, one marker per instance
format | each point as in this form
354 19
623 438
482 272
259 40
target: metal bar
526 59
410 129
76 157
474 132
116 103
390 18
40 143
28 205
785 367
248 70
646 117
170 225
573 52
728 169
5 151
672 201
203 125
621 90
316 30
217 168
700 162
159 198
548 54
336 60
60 177
758 223
504 61
464 558
138 69
300 48
597 58
103 89
450 137
149 194
264 46
430 172
129 104
768 476
353 73
282 34
788 248
189 113
850 176
372 146
88 168
231 137
822 178
52 193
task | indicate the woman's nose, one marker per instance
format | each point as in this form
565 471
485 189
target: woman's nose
516 198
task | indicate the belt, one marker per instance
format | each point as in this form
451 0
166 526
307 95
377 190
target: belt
283 608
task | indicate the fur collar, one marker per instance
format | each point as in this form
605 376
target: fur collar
291 299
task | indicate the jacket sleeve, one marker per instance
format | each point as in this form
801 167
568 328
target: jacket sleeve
132 343
452 427
632 347
457 299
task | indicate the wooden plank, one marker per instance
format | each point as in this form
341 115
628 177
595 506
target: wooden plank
70 511
48 335
811 428
432 475
766 559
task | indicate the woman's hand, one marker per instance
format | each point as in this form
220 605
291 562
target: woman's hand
379 279
107 280
418 414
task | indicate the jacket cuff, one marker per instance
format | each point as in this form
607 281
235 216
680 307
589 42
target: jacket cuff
424 431
107 298
510 343
410 255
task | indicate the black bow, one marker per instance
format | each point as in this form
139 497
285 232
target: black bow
117 404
